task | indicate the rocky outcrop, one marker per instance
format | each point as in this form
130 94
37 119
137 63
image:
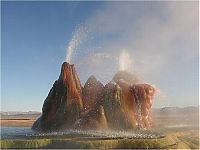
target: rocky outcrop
63 104
92 93
123 103
94 119
137 100
113 105
143 97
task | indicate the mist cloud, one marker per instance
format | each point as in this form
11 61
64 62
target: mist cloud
159 36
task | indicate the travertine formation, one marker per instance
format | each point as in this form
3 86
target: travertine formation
122 103
92 93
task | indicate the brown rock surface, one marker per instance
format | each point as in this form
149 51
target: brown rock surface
137 103
94 119
113 105
63 104
92 93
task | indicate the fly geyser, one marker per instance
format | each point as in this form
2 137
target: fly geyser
123 103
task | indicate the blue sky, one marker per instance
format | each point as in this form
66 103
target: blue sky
161 38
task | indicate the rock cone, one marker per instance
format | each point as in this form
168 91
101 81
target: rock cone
92 93
63 104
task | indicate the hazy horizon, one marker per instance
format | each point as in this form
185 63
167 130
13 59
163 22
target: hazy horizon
41 108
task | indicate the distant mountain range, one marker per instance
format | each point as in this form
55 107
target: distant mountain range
17 112
175 110
155 112
19 115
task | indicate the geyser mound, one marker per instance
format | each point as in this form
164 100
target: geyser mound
121 104
129 77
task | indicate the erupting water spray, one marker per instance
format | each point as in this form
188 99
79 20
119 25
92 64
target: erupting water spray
105 56
125 61
77 38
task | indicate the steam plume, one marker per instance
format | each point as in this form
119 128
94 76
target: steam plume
125 61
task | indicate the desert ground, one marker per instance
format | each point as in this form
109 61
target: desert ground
18 119
17 122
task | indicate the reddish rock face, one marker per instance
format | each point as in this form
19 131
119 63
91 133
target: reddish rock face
92 93
137 101
71 81
143 97
63 104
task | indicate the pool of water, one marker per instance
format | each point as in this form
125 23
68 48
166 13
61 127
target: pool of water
15 132
22 132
